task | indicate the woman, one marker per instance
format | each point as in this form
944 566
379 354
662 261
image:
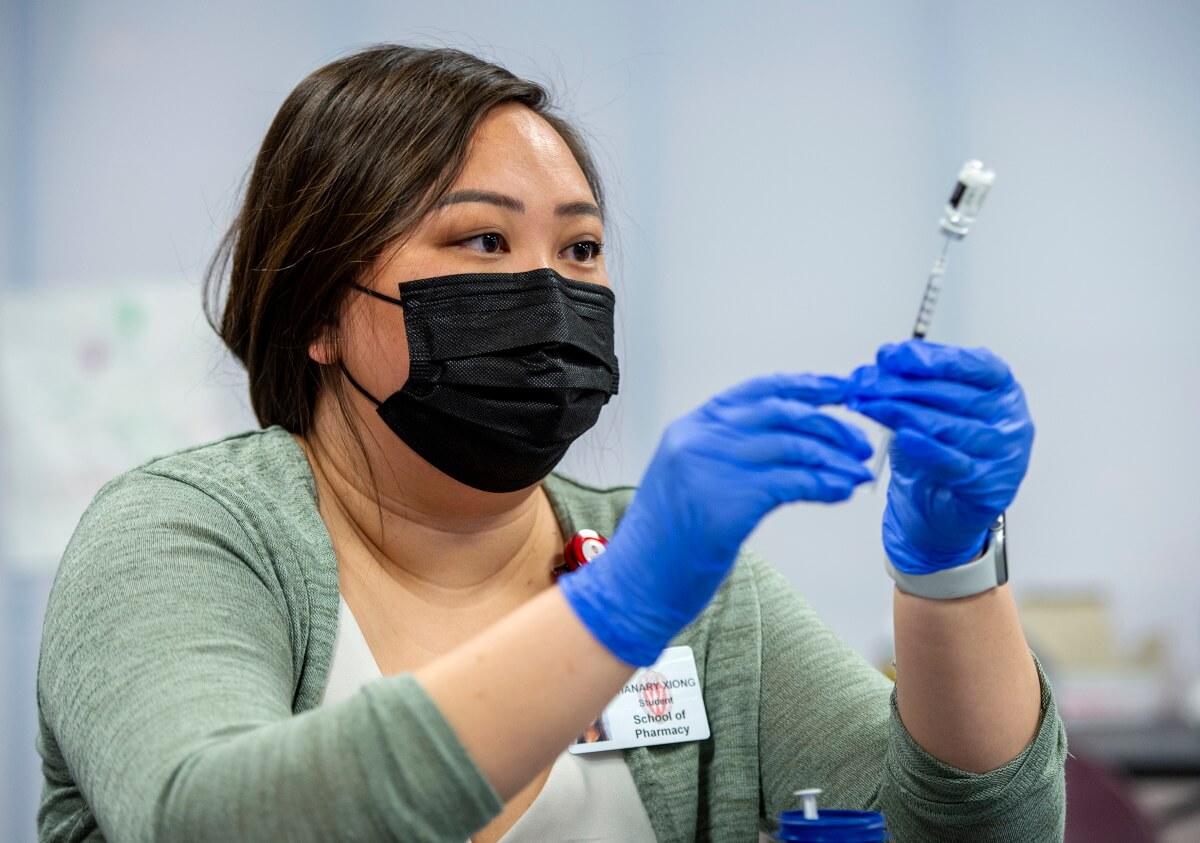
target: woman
346 625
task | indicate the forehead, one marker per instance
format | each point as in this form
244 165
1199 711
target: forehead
516 149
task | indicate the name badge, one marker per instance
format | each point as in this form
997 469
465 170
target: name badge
663 703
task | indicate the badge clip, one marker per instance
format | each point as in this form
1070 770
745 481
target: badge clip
581 549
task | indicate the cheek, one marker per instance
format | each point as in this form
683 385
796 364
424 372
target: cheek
602 274
392 360
376 345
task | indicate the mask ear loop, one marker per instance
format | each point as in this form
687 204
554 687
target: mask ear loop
376 294
358 386
342 365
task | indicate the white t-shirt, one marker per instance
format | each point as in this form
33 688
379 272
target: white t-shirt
586 798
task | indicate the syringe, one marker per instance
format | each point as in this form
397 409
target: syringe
961 209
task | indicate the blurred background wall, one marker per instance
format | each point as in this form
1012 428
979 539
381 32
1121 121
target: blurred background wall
776 173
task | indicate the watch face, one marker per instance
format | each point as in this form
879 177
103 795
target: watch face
998 547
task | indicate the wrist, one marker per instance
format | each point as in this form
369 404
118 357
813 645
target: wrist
630 636
911 558
986 572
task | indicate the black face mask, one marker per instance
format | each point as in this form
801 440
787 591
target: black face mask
505 372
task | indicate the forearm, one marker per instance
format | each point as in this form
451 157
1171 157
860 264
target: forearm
966 685
524 689
382 765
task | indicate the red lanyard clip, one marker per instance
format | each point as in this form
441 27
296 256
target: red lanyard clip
581 549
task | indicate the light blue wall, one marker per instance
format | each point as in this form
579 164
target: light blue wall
776 172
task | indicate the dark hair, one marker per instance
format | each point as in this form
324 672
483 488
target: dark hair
358 154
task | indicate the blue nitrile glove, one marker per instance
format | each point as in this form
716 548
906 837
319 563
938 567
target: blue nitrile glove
716 473
963 437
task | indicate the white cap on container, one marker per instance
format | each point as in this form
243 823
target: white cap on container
809 797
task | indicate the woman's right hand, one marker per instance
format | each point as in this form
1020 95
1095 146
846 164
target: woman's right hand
717 472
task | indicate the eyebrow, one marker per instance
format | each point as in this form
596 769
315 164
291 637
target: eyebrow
500 200
579 209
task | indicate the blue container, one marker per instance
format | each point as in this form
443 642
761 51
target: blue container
833 827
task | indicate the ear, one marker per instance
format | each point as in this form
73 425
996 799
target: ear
322 350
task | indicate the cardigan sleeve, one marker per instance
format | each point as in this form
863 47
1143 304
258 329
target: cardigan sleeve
828 719
165 690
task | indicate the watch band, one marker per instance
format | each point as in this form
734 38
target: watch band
984 574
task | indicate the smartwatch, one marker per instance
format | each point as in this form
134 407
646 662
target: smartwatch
984 574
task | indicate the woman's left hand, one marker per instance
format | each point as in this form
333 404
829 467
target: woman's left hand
963 439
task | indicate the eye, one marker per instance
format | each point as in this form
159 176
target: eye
585 251
490 243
